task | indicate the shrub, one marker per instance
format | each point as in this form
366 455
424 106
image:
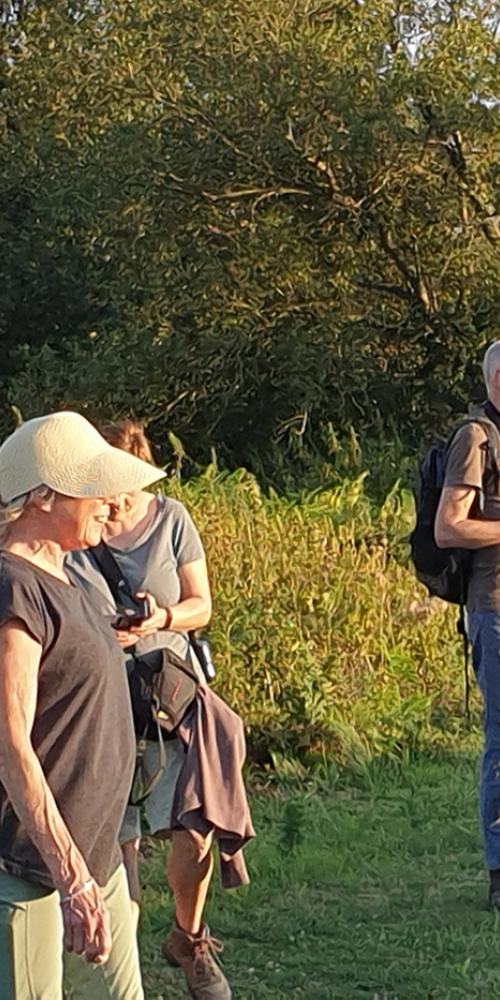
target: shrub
324 641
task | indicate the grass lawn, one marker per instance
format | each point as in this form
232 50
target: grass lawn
364 887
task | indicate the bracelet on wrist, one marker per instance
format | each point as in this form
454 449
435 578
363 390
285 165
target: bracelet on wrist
84 887
168 618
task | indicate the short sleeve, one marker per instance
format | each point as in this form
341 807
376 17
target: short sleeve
21 601
186 542
465 462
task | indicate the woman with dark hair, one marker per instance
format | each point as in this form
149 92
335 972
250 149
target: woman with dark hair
159 552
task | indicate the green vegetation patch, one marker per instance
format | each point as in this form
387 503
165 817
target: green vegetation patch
369 887
324 642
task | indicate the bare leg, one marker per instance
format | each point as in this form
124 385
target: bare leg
130 855
189 869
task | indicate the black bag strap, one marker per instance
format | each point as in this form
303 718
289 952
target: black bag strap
139 793
116 581
119 585
492 413
491 426
120 588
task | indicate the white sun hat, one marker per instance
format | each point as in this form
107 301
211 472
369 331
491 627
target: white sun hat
64 451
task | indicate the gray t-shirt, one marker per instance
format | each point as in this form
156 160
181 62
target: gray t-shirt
82 732
151 564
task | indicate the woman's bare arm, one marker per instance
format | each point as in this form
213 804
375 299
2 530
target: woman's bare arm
32 800
193 610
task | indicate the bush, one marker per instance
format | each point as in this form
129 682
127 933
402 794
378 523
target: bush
323 640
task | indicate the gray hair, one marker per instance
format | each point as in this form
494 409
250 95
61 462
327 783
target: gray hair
14 509
491 362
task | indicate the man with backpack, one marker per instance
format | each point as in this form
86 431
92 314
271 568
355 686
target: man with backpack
468 518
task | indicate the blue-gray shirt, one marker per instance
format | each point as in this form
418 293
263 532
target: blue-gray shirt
151 564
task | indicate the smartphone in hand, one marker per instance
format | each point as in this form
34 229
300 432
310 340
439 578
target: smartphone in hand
131 618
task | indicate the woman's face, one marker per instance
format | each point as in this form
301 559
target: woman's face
80 522
122 504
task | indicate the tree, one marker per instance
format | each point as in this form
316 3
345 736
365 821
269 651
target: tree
249 220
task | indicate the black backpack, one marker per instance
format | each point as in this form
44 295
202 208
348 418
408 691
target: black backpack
446 572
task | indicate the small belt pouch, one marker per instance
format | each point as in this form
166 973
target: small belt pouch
162 688
161 691
174 689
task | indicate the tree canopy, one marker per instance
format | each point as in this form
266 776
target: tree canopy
250 222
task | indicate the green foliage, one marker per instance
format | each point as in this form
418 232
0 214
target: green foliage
250 221
293 825
324 642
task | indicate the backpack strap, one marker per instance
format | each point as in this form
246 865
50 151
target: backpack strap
491 448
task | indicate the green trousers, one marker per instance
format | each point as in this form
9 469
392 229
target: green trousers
31 947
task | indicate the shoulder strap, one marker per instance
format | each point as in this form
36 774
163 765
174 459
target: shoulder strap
483 422
112 573
490 448
492 441
488 425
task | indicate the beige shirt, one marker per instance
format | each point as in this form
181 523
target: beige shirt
465 467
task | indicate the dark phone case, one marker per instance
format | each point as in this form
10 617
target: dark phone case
129 620
124 622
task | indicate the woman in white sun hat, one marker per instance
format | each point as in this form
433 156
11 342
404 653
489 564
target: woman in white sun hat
67 743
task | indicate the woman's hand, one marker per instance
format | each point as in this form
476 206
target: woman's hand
87 930
126 638
156 620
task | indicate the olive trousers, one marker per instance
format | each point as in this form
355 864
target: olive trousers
32 965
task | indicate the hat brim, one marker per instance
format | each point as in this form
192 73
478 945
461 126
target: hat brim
108 473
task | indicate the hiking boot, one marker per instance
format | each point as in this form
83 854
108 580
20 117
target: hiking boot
196 957
494 893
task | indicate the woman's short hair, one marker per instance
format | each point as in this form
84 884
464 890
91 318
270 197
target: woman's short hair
128 435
